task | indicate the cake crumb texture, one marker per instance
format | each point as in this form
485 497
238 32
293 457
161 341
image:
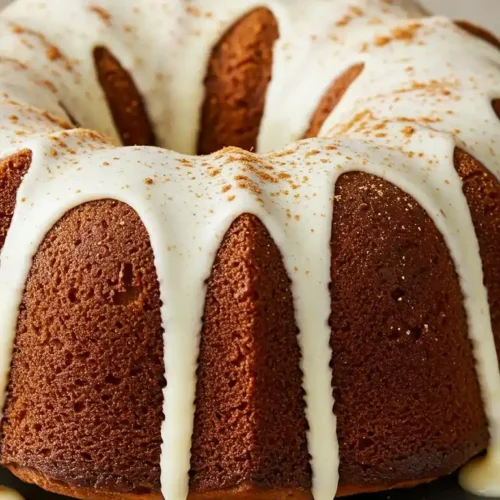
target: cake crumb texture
238 74
124 100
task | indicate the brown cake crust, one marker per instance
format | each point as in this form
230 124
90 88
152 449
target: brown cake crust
73 433
242 493
12 170
35 477
249 262
479 32
84 406
250 424
238 74
482 190
124 100
395 373
496 107
331 98
399 332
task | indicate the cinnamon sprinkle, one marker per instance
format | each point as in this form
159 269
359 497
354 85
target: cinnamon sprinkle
102 13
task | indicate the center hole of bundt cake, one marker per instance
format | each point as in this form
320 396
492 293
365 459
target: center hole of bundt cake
238 74
235 86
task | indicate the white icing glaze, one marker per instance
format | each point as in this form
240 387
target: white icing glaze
9 494
172 76
481 475
400 131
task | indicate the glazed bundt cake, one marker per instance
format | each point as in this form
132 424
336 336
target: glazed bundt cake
287 286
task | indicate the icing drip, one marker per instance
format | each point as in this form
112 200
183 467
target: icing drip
8 494
403 128
481 475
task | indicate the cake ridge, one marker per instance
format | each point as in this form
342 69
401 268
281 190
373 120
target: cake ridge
119 176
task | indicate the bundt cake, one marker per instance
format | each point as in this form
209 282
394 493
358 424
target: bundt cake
286 286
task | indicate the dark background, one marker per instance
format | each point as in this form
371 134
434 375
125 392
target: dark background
445 489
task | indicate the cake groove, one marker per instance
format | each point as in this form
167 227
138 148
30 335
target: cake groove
331 98
124 100
238 74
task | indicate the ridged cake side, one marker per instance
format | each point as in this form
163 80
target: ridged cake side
407 400
84 404
407 322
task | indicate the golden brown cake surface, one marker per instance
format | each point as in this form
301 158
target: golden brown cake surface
239 71
482 191
12 170
248 372
125 102
331 98
399 332
96 264
85 398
